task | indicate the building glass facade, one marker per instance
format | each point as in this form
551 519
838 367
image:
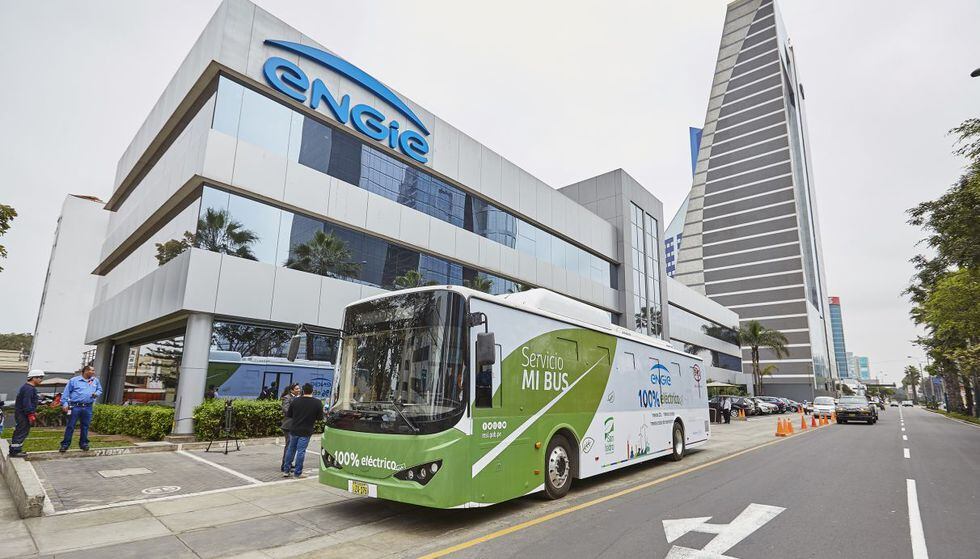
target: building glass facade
837 331
252 117
239 226
645 262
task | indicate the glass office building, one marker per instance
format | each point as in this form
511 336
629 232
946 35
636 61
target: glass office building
837 333
267 189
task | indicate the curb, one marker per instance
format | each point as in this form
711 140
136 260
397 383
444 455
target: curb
956 419
22 481
144 449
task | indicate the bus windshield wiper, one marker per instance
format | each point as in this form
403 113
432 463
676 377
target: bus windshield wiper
394 405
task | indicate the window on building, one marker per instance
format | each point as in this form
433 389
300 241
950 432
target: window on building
259 120
645 269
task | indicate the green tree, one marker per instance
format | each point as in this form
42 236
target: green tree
217 231
479 283
943 290
171 249
913 376
325 254
520 288
410 279
16 341
968 361
754 336
7 214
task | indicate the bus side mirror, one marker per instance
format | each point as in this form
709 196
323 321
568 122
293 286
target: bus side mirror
486 351
297 341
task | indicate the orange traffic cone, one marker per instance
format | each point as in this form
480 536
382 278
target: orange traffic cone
780 432
802 423
789 427
813 421
833 416
824 420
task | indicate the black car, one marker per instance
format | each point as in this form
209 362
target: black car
737 404
778 402
856 408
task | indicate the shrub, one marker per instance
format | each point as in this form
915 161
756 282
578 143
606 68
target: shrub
146 422
253 418
50 417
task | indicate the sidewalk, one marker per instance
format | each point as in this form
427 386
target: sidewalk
294 518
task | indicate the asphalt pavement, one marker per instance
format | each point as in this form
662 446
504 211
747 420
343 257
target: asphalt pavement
843 491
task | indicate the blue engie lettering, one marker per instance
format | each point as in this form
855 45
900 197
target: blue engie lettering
290 80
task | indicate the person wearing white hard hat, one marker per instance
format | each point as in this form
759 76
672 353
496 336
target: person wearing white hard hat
25 408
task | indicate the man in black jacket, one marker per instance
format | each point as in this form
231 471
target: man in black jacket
24 409
304 412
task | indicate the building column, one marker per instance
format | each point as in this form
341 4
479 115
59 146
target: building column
117 376
101 363
193 375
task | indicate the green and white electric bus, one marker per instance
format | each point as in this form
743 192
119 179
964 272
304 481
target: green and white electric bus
449 397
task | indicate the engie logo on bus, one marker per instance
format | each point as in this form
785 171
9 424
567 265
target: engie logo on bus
289 79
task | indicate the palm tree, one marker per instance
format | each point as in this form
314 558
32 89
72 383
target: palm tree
325 254
754 335
479 283
913 376
217 231
410 279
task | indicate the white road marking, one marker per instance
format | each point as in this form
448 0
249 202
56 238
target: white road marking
905 437
728 535
906 452
227 470
903 429
915 523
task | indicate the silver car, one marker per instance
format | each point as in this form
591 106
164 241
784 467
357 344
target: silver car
823 406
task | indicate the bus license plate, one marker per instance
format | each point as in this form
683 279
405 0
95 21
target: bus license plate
361 488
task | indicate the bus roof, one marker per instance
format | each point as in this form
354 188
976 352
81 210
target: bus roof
549 304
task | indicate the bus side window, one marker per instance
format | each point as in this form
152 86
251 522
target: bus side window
488 382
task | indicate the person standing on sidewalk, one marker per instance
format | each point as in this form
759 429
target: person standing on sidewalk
304 411
726 408
24 410
288 395
77 400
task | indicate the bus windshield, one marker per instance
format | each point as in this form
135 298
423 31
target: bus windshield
403 365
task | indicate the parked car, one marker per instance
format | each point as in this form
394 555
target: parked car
778 402
850 408
747 404
791 405
823 406
764 406
893 403
737 404
906 403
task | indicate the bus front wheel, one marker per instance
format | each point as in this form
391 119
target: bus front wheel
678 446
557 468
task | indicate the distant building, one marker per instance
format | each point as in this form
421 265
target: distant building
751 230
864 368
69 286
837 334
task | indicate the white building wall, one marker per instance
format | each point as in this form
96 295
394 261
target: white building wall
69 287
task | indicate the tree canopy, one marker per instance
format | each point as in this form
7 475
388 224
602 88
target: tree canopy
7 214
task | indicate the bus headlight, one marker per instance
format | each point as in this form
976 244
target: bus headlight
328 460
420 474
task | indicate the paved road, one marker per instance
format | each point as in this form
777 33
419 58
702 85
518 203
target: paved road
841 491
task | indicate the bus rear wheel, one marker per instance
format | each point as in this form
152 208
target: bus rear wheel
557 468
678 446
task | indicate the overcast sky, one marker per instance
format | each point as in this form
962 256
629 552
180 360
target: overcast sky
567 90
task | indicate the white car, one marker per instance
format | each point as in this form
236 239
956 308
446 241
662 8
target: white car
765 407
823 406
906 403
